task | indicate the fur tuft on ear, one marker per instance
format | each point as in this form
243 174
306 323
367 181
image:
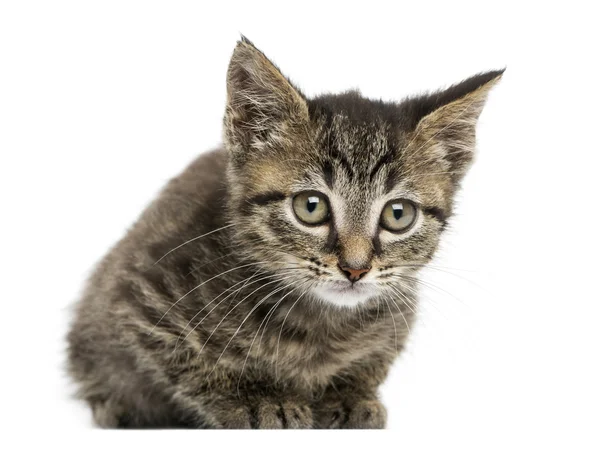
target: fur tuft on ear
262 105
444 123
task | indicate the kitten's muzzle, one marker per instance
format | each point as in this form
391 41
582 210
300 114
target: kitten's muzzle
354 274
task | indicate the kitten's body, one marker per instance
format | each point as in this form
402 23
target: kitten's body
128 375
203 315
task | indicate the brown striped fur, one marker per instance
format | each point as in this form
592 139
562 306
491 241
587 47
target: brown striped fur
185 326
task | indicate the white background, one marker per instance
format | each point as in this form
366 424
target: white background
102 102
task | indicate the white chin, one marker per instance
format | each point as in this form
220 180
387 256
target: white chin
345 294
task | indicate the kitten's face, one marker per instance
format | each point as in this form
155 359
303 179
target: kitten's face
342 195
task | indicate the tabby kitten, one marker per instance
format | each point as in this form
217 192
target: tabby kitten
273 283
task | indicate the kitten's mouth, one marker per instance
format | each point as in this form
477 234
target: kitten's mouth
346 286
345 293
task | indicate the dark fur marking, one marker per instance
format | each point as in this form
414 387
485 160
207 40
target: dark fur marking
328 174
438 213
254 418
131 294
377 245
333 150
331 239
281 416
266 198
392 179
157 282
343 161
385 159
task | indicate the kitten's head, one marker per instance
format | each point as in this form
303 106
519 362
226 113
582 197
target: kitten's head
339 193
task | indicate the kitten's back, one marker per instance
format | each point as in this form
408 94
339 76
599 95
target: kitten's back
129 290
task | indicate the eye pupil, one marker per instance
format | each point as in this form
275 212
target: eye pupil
312 203
398 210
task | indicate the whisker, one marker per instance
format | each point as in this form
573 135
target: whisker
427 284
272 310
236 291
402 313
239 303
407 301
394 322
241 324
245 280
197 287
191 240
447 270
427 264
281 331
209 262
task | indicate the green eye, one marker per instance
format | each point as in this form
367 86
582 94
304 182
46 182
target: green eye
398 215
311 207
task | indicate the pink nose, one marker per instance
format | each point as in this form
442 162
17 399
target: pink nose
354 274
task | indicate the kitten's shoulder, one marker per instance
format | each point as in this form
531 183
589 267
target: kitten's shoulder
191 204
204 176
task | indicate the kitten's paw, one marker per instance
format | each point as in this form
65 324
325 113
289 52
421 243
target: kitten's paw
331 416
367 414
264 414
236 418
297 416
288 414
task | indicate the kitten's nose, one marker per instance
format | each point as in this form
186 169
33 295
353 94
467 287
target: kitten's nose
354 274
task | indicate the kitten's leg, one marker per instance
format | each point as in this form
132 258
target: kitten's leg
258 404
351 400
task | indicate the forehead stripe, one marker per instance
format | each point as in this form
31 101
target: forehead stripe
341 159
328 174
385 159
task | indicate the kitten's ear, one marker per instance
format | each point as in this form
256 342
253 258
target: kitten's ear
445 122
262 105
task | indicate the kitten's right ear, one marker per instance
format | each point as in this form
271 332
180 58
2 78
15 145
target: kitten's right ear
262 105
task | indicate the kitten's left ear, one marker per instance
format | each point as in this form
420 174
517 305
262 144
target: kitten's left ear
262 105
444 122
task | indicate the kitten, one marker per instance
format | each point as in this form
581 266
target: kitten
273 283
